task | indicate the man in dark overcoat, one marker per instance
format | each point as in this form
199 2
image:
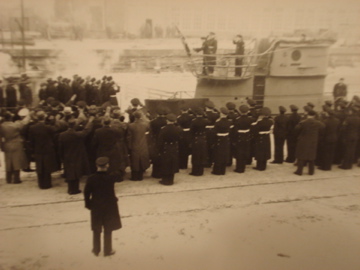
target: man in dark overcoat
105 142
280 125
328 141
73 154
240 137
100 199
222 143
306 147
138 147
155 127
199 144
184 121
41 138
209 48
350 130
261 130
291 135
168 143
239 50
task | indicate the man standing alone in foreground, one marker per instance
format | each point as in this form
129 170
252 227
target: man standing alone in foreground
100 198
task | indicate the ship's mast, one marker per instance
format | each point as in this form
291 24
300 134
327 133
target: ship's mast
22 29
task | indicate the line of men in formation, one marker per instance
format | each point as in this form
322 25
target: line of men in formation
18 92
74 137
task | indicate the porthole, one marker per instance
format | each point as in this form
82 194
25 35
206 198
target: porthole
296 55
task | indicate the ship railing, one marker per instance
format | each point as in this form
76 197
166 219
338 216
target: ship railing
224 66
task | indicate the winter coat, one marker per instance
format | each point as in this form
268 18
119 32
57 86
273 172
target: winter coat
307 140
100 198
41 138
137 144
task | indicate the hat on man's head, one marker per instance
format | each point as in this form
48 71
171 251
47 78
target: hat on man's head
282 109
251 102
67 110
135 102
24 112
209 104
137 114
310 104
244 108
102 161
230 106
198 110
307 108
265 111
328 103
311 112
223 110
171 117
294 107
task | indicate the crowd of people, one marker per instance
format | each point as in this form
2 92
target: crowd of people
70 128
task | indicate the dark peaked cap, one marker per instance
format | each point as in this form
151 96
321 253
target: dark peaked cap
102 161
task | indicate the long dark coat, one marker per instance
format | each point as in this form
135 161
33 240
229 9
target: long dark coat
168 142
41 138
73 153
137 144
155 127
306 146
100 198
199 143
222 143
262 142
105 141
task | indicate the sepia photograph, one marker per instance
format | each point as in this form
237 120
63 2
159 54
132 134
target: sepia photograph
179 135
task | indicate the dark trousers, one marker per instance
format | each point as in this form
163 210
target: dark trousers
219 168
242 153
327 151
339 152
183 160
73 186
251 152
238 70
349 154
136 175
261 164
44 180
97 242
156 168
279 149
291 148
13 175
300 166
197 170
